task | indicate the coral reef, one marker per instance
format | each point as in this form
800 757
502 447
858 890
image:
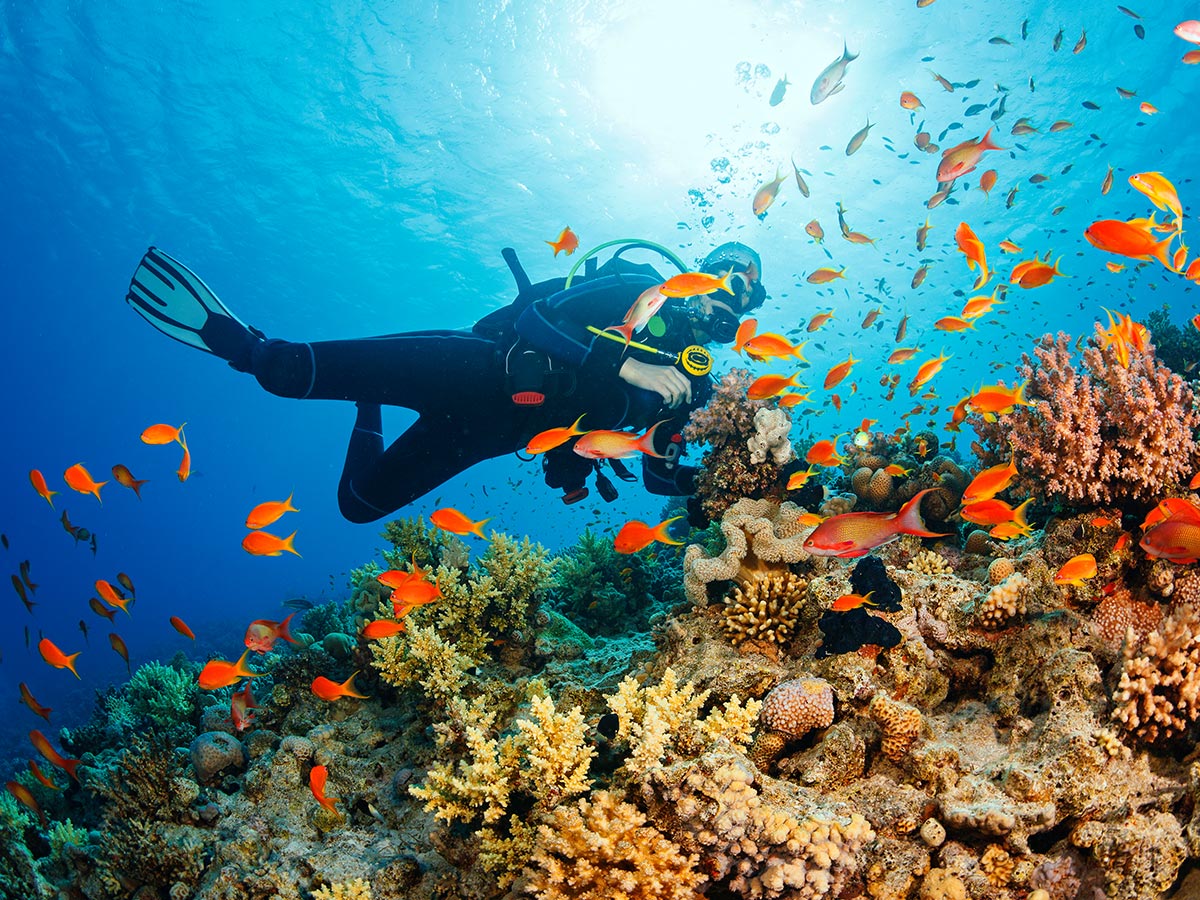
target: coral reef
1102 434
1158 695
727 425
770 439
766 609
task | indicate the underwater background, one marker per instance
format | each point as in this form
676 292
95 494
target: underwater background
349 169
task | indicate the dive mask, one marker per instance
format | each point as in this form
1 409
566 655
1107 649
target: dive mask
718 323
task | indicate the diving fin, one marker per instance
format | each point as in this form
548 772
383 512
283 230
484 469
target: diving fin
175 300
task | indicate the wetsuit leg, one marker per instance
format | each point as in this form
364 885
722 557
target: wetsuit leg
439 445
410 370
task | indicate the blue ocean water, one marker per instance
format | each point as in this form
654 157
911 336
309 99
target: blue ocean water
354 169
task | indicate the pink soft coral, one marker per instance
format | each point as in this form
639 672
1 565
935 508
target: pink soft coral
725 424
1107 434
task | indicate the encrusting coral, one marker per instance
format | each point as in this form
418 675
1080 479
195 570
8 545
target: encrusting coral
1103 434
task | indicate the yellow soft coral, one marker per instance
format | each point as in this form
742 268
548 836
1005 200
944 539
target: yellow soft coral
555 750
603 849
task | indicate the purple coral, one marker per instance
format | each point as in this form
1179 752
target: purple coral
1103 434
726 424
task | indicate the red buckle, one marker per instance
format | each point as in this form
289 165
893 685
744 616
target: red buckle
574 496
528 398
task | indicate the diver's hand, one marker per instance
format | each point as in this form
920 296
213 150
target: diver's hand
666 381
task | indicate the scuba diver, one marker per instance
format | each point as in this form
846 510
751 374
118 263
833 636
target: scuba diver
540 362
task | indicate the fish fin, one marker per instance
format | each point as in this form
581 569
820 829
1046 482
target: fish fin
909 521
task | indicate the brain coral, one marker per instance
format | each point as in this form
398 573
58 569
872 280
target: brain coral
757 533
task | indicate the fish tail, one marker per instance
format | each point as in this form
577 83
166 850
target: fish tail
1162 252
908 519
986 142
625 330
69 766
287 544
847 56
646 442
70 662
1019 514
798 351
575 429
137 486
661 534
285 632
287 504
477 528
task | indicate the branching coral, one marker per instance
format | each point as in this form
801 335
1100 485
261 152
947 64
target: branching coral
430 547
766 609
354 889
422 657
727 426
1158 695
1004 602
1104 434
655 719
759 535
600 590
603 849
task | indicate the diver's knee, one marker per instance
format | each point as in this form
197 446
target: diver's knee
284 368
354 510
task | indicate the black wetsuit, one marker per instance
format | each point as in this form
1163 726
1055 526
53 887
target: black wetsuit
457 383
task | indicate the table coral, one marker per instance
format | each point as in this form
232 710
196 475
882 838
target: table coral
758 534
603 848
1102 434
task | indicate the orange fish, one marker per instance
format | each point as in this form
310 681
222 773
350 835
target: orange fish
28 699
184 472
241 704
36 771
1191 57
903 355
1104 521
330 690
118 645
988 483
261 634
815 231
316 781
799 478
635 535
824 453
908 100
1148 108
978 306
266 513
765 195
554 437
1122 542
162 434
855 534
1009 247
825 275
1006 531
38 480
691 284
839 372
818 320
1115 266
125 478
787 401
996 398
896 470
1170 508
112 596
1159 190
745 332
1076 570
987 181
52 756
597 445
1125 239
847 602
394 578
219 673
1034 273
567 241
262 543
22 794
181 626
416 592
810 520
928 369
55 657
972 248
450 519
963 158
958 414
766 386
995 512
769 345
382 628
77 478
953 323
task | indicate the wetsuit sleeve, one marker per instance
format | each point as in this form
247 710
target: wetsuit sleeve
666 476
558 325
